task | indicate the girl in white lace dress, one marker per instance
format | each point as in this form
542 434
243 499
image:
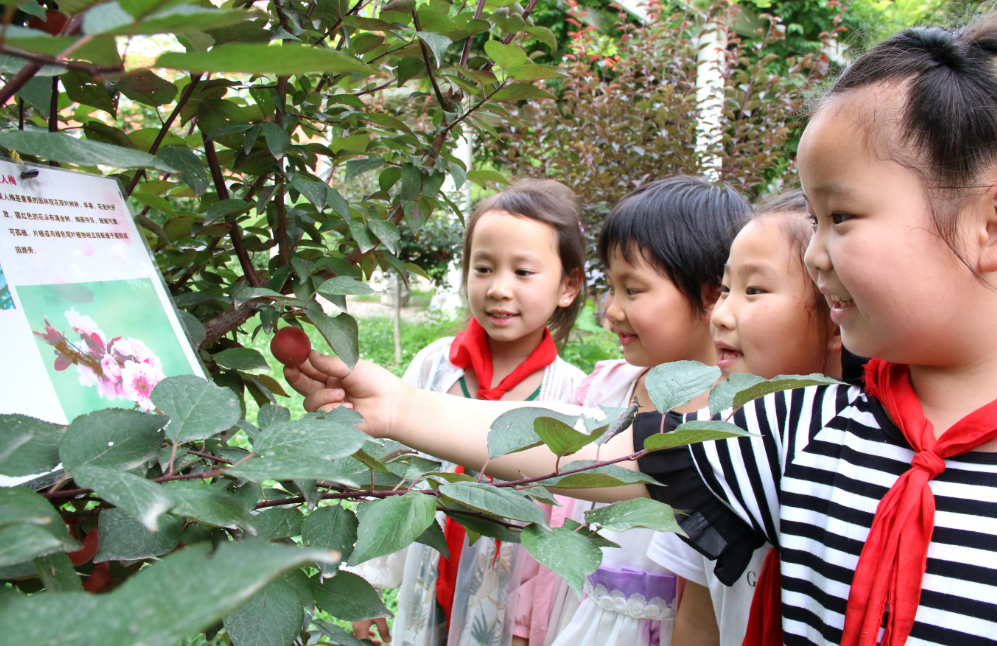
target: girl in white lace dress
522 269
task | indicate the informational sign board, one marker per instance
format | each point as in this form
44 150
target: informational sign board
85 320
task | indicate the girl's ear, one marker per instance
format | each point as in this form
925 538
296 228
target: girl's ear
834 343
571 285
987 227
710 297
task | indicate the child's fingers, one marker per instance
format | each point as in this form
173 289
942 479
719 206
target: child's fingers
325 399
332 366
309 370
301 382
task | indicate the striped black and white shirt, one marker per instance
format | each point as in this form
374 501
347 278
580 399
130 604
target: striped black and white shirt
810 484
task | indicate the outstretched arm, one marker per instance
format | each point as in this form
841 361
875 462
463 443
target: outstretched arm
448 427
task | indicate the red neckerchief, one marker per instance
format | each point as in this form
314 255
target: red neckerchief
765 617
470 350
895 555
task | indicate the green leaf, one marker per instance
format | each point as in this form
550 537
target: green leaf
270 414
341 333
246 58
544 35
592 536
484 526
316 192
28 445
186 18
32 8
193 172
693 432
567 553
223 208
344 285
387 233
158 603
408 516
411 183
198 409
512 431
309 436
241 359
501 502
519 91
271 618
433 537
338 204
331 528
141 499
209 506
337 634
58 146
277 139
531 72
610 475
356 167
675 384
242 293
57 573
738 390
284 466
480 177
122 538
505 56
112 438
561 438
639 512
30 527
362 235
145 87
437 44
276 523
81 87
349 597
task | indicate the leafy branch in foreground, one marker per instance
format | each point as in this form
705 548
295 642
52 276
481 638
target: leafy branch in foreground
146 499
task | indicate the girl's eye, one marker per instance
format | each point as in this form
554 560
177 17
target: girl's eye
482 270
754 291
813 219
724 290
632 292
524 272
839 218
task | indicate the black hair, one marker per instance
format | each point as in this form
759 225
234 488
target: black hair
554 204
949 116
681 226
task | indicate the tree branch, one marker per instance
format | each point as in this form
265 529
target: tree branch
235 233
283 242
466 54
429 67
187 92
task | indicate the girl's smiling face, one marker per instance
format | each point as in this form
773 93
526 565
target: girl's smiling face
654 321
515 280
764 322
893 285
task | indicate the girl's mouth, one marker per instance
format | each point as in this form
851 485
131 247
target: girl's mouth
626 339
728 357
501 318
840 307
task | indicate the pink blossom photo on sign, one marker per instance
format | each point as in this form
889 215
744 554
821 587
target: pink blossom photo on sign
103 343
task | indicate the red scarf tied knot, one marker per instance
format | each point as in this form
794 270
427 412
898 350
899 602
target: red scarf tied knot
895 555
894 558
470 349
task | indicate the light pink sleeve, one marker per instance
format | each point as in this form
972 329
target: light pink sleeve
583 388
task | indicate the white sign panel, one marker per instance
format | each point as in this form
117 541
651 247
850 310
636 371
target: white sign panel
86 320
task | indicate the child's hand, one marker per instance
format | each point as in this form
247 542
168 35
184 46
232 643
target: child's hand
327 383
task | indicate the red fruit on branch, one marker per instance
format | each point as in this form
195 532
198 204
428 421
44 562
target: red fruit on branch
98 579
85 553
55 21
290 346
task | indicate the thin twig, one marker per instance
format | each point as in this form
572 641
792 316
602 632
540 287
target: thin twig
173 457
466 54
429 67
187 92
235 233
208 456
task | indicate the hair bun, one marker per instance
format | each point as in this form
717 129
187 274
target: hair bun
943 46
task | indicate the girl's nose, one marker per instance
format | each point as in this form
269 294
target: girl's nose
500 287
613 311
723 314
816 258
